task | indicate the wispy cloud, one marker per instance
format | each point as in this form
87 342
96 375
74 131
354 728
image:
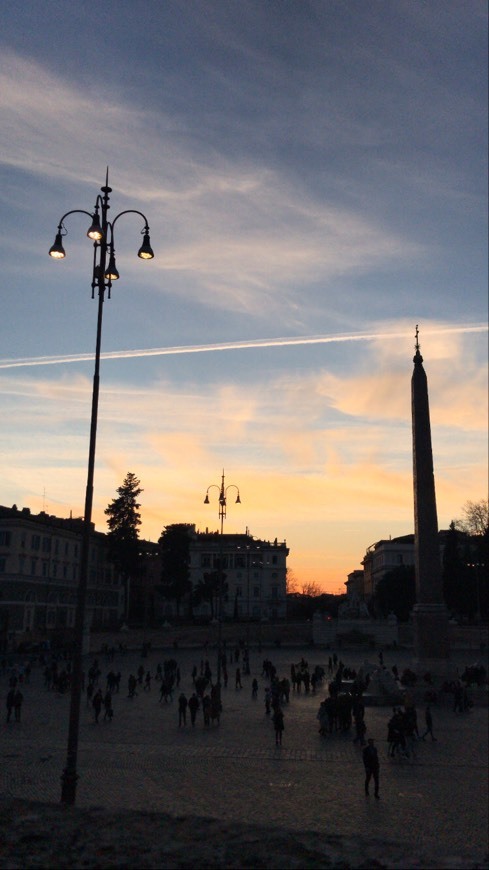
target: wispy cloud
243 228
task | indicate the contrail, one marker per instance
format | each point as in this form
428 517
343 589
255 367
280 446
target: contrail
231 345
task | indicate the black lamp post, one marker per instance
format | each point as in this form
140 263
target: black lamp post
222 515
101 231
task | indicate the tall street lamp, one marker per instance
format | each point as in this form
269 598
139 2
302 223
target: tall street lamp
223 489
104 272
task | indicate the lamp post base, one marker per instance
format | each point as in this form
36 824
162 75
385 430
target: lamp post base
69 781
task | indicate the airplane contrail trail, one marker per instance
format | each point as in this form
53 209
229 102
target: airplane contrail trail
231 345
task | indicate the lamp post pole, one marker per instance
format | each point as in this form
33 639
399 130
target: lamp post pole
223 489
101 232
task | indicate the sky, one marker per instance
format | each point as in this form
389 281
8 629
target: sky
314 175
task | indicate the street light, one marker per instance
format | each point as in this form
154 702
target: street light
223 489
101 232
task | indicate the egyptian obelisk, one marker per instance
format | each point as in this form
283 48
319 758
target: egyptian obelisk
431 648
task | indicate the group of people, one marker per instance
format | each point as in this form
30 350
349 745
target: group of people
341 710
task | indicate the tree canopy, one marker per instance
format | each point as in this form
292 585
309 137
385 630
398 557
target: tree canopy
396 592
475 517
174 545
123 521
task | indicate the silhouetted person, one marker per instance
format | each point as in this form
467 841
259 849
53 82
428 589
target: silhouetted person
182 710
371 764
429 724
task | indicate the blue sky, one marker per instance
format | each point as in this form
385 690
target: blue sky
307 169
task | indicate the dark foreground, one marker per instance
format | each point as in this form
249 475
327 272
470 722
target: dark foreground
51 836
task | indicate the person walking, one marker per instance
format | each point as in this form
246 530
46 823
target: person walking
193 706
182 710
10 703
238 679
109 712
97 704
278 724
18 699
371 765
429 724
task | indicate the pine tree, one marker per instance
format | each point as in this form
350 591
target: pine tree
123 521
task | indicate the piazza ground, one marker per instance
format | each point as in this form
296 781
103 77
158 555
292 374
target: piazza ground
226 794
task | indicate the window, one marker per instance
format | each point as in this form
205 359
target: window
36 542
239 560
45 568
33 566
256 591
5 538
274 591
239 591
205 560
46 545
3 564
274 560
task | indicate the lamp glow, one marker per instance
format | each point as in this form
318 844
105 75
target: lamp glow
95 232
111 273
146 251
57 251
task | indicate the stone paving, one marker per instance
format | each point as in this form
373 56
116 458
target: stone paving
141 760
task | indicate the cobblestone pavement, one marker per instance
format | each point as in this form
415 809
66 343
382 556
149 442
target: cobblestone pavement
142 760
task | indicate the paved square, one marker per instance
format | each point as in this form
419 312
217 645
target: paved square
436 802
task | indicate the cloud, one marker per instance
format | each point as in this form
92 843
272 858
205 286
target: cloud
240 227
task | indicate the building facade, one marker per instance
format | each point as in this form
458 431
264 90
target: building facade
384 556
39 573
254 573
253 579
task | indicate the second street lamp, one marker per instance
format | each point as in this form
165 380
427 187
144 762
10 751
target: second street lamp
223 490
104 272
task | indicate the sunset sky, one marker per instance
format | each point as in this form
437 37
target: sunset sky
314 174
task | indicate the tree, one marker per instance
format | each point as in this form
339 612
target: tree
475 518
207 590
291 581
313 590
473 532
453 570
123 521
174 544
396 592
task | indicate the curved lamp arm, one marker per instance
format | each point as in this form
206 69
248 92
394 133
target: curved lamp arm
145 251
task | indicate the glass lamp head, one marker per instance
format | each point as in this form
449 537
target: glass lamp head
146 251
57 251
95 231
111 273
